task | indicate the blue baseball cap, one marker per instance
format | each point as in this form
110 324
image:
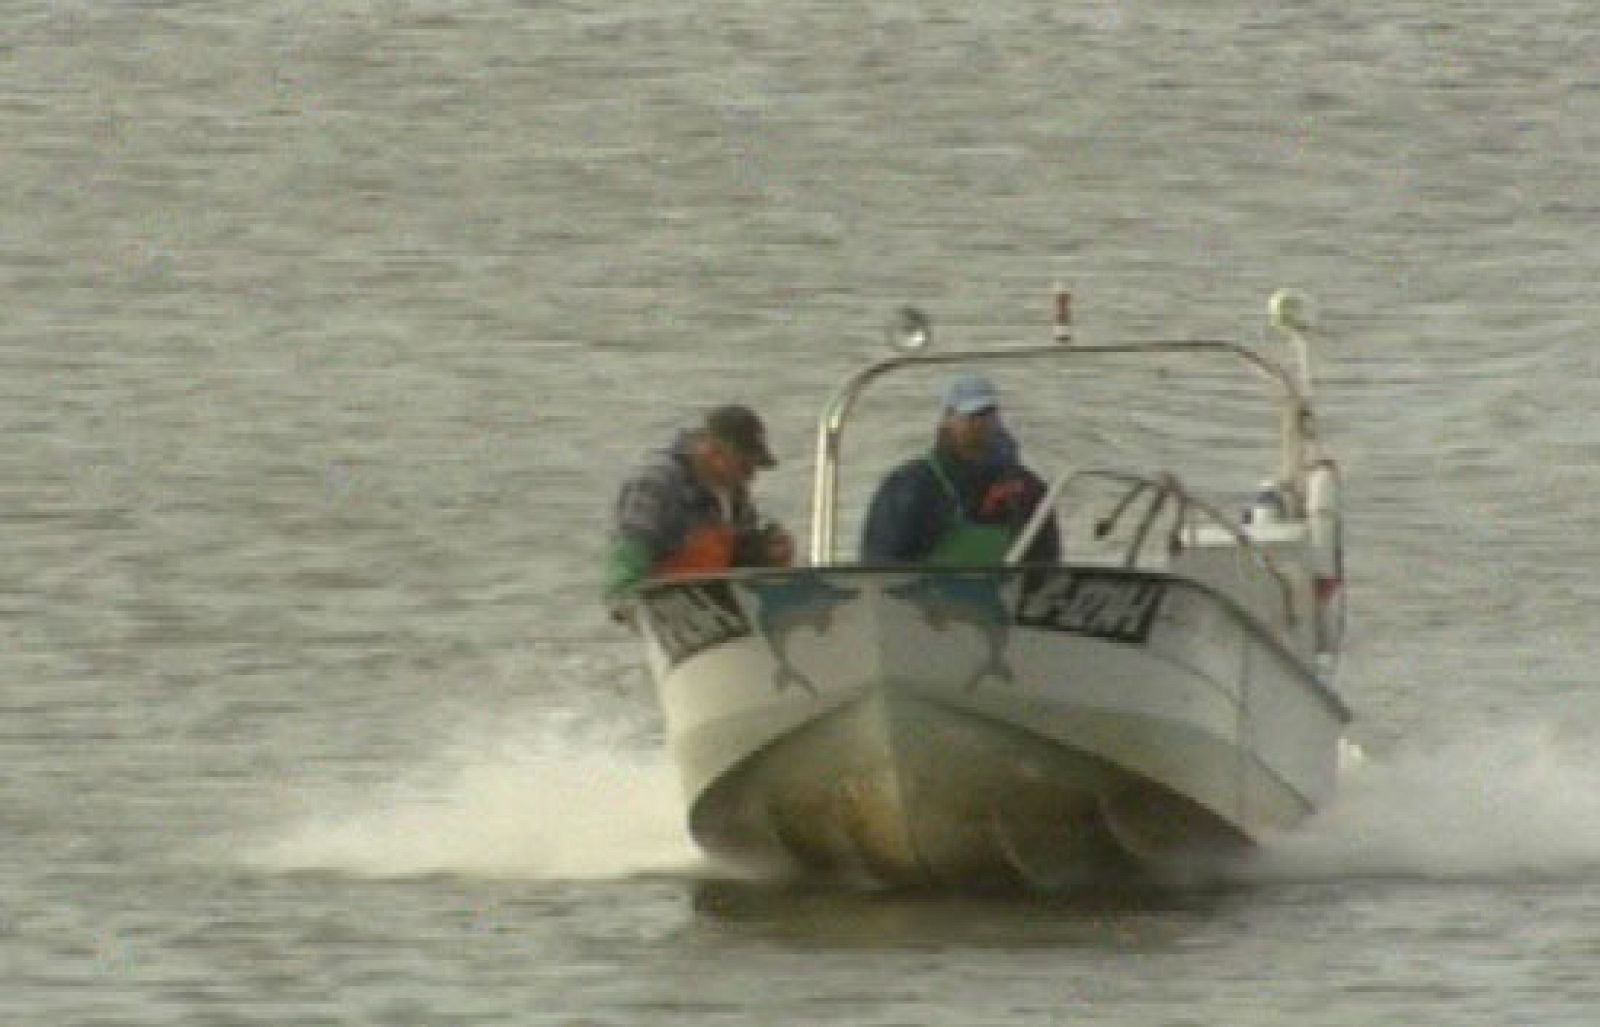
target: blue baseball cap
971 394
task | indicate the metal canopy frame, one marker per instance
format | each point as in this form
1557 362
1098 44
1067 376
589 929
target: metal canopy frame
1297 428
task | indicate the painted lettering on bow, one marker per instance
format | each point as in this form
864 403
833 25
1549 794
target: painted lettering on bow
689 618
1114 606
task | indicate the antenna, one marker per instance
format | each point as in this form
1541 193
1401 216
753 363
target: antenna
1063 326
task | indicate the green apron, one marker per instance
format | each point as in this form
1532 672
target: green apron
965 544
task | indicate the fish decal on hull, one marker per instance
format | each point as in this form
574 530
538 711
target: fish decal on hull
972 600
787 603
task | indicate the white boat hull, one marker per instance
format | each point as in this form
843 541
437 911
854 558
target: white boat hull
927 727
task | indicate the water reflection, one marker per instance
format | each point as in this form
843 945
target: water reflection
1127 915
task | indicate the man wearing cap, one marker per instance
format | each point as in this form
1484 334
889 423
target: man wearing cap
967 500
687 509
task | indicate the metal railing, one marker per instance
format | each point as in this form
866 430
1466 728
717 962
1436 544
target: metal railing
1297 427
1162 490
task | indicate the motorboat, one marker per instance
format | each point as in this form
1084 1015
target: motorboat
1159 699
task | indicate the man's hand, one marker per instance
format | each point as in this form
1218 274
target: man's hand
770 545
779 546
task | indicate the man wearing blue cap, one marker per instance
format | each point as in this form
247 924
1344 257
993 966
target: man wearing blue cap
967 500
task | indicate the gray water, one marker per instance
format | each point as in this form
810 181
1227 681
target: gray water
329 328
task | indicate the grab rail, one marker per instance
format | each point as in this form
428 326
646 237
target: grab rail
1165 487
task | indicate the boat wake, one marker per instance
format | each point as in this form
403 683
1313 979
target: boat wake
1517 803
554 811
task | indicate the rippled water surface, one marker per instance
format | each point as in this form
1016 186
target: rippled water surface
329 329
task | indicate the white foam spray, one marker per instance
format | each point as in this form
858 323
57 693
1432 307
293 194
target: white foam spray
551 809
1518 801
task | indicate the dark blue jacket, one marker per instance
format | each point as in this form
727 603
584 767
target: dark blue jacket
912 508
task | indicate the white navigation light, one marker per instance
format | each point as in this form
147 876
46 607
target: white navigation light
1292 315
1291 310
910 330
